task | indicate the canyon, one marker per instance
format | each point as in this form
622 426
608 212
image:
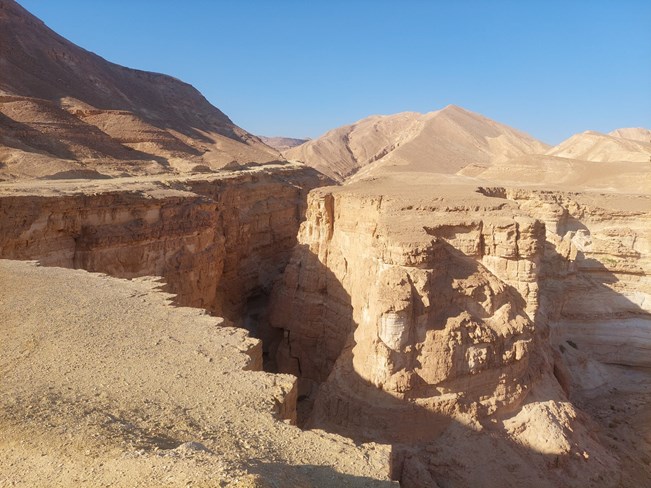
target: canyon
415 300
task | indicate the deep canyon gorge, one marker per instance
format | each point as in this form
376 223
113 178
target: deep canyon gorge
422 300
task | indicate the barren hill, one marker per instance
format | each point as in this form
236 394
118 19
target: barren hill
633 133
62 104
282 143
594 146
444 141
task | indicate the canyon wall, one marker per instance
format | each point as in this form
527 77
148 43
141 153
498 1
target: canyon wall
424 320
454 323
596 281
214 240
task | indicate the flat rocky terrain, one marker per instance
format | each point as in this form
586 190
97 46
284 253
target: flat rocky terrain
125 389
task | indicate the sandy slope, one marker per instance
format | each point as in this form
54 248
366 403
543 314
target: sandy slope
597 147
126 390
570 174
587 161
633 133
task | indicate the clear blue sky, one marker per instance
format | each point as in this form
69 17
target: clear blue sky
301 67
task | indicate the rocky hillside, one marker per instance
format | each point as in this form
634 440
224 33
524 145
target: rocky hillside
67 111
633 133
444 141
597 147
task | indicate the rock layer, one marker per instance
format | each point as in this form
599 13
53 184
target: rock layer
425 321
215 240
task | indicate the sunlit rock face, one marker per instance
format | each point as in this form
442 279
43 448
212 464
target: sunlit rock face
597 284
422 320
215 240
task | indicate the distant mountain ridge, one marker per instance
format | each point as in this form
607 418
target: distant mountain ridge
633 133
597 147
443 141
282 143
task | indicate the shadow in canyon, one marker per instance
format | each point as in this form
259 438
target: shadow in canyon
432 448
310 476
429 448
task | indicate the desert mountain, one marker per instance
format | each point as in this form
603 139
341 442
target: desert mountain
282 143
633 133
589 160
597 147
76 111
443 141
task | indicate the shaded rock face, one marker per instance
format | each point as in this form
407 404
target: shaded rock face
215 241
402 292
462 327
428 326
121 234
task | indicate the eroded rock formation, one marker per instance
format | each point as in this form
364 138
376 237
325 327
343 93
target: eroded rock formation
215 240
493 334
424 321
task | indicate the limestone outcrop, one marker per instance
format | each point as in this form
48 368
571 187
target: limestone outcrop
215 240
421 316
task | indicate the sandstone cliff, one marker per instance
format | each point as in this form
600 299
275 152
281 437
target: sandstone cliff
216 240
425 321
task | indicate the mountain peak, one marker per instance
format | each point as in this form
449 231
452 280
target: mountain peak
442 141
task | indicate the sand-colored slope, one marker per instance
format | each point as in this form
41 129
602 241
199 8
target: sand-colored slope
594 146
570 174
104 383
618 162
282 143
633 133
75 99
437 142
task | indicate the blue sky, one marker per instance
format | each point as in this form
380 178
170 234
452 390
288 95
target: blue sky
299 68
